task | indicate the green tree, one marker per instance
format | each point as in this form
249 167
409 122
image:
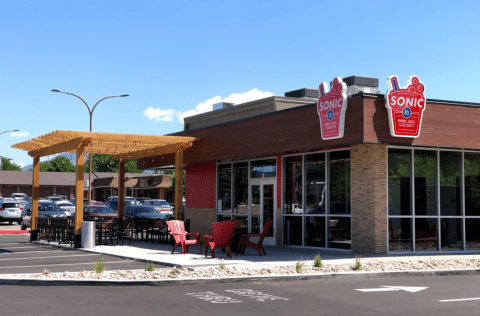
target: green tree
60 164
131 166
7 165
106 163
173 181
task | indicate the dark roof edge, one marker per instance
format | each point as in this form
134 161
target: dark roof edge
449 102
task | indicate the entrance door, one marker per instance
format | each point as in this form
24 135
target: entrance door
263 204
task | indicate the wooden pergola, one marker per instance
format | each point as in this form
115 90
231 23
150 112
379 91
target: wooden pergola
123 147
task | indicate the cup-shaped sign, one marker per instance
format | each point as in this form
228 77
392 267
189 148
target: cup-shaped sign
405 106
331 107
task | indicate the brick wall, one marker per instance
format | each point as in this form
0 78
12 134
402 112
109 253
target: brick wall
369 198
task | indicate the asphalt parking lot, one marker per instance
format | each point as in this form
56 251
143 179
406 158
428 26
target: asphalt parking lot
18 256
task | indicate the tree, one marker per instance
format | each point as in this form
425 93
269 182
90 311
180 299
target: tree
7 165
59 164
106 163
173 181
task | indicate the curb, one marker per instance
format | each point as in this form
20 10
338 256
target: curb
14 232
344 276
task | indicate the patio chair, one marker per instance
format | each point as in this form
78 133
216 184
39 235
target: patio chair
222 233
177 230
124 230
156 227
245 240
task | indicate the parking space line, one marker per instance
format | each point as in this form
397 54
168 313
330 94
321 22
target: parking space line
30 258
16 253
65 264
461 299
18 247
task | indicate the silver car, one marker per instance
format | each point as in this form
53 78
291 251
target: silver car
162 206
11 211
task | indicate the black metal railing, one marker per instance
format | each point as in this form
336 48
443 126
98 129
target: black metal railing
61 230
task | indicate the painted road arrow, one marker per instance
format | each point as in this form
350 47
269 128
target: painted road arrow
410 289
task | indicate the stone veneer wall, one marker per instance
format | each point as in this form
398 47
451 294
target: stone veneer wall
201 220
369 198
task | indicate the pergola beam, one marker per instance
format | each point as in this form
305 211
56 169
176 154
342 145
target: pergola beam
59 147
168 149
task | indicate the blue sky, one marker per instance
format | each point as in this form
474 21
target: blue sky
176 58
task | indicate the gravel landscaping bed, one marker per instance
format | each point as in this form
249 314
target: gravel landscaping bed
233 271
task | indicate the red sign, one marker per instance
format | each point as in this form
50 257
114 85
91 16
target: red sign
331 107
405 106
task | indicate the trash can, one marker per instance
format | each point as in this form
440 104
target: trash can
88 235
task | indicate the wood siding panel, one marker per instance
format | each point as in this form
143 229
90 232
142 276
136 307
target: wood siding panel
284 131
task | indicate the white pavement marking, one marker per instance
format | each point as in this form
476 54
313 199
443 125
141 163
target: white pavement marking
30 258
16 253
64 264
461 299
384 288
18 247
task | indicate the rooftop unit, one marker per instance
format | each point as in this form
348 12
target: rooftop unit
356 84
304 93
222 105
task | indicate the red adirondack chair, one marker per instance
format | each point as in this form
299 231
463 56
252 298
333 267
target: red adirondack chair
222 233
177 230
245 240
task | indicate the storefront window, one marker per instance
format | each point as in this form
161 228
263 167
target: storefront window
426 234
400 234
340 232
472 233
339 171
293 185
315 184
450 183
425 182
399 182
263 168
451 232
292 230
224 189
315 231
472 184
240 173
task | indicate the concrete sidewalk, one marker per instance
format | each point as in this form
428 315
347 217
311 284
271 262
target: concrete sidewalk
276 256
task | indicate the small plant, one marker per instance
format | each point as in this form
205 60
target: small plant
317 261
299 265
98 267
358 264
174 271
46 272
435 264
149 267
222 265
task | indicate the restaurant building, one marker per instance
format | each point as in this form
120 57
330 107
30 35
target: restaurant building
341 167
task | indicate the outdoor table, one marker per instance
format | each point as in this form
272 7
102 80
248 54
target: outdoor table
105 229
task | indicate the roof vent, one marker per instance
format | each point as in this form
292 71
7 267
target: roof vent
356 84
305 93
222 105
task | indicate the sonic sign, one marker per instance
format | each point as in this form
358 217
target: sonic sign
405 106
331 107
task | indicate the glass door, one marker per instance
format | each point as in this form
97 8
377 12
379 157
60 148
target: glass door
262 207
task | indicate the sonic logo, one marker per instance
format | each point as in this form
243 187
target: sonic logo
331 107
405 106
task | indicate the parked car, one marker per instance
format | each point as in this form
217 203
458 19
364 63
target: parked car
96 203
115 198
54 198
19 196
140 199
46 208
142 212
85 201
67 207
113 204
11 211
161 206
98 212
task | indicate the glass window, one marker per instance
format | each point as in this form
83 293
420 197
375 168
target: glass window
339 171
315 231
425 182
399 182
472 184
425 234
292 230
451 232
400 234
240 173
340 232
315 184
263 168
450 184
293 185
225 188
472 233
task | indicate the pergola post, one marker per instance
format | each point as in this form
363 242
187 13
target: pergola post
79 195
35 193
121 190
178 183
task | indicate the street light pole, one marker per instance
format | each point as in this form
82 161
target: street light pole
90 112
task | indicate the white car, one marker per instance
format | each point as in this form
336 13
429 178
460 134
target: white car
67 207
19 196
162 206
11 211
